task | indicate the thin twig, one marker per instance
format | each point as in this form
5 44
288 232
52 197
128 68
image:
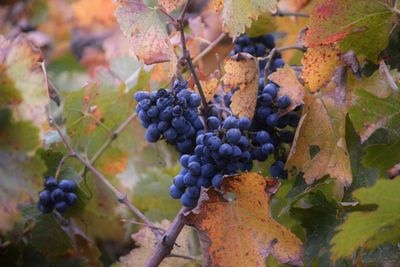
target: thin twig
302 48
186 257
61 164
164 247
292 14
186 55
143 224
268 65
383 68
209 47
173 20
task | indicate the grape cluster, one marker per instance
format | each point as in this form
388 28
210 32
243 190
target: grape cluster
58 196
171 115
258 47
224 149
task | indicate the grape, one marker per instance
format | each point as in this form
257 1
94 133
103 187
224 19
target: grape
50 182
71 199
230 122
188 201
249 49
203 182
67 185
189 179
175 192
244 123
212 123
184 160
284 101
45 198
216 180
57 195
45 208
61 206
214 143
170 135
225 150
194 168
271 89
193 192
152 133
272 120
279 63
261 137
233 136
286 136
141 95
178 181
267 148
260 50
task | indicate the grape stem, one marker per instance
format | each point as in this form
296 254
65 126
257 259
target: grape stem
187 57
167 242
122 198
290 14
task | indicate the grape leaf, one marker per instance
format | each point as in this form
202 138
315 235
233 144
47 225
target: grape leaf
148 36
292 5
375 84
360 228
170 5
353 24
289 85
319 64
237 14
322 125
240 231
241 74
94 12
145 239
370 113
264 24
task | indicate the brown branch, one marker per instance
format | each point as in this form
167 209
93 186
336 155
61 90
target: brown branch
187 57
209 47
268 65
302 48
166 244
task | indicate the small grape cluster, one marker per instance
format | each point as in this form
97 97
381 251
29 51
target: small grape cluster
268 125
171 115
224 149
258 47
58 196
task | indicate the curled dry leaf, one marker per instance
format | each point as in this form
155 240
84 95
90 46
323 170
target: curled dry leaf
319 64
322 127
241 74
289 85
170 5
240 232
237 14
146 33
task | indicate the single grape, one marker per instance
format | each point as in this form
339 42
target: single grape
175 192
284 101
71 199
67 185
61 206
188 201
57 195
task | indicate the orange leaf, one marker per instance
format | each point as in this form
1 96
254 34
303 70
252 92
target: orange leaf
289 85
241 73
88 13
319 64
241 232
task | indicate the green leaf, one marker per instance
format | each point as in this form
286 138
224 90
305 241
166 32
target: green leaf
151 194
383 156
319 217
361 229
264 24
370 113
353 24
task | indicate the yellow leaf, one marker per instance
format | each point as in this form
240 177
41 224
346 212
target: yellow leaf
322 129
319 64
145 239
170 5
146 32
88 13
240 232
241 73
238 14
289 85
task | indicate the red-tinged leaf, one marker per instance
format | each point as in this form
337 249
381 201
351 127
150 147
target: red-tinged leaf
240 231
319 64
352 23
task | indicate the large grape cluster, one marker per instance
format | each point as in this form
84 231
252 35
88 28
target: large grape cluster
171 115
57 195
224 149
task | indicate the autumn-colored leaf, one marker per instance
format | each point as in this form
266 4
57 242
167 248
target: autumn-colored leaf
146 32
237 14
210 87
292 5
89 13
241 74
352 23
289 85
370 229
118 163
322 128
240 231
145 239
170 5
319 64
